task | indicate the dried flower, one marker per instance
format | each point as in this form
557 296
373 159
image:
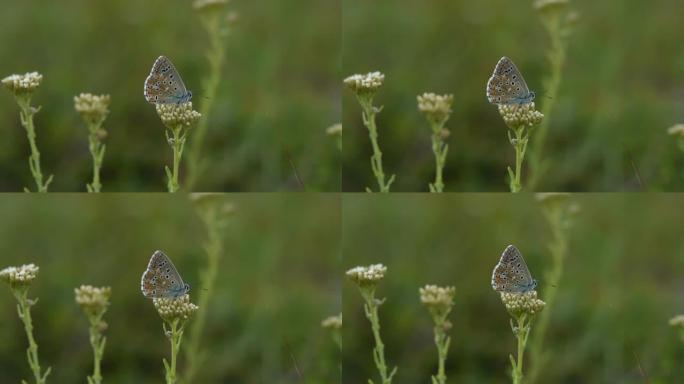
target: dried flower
332 322
334 130
22 84
522 303
367 84
368 276
171 309
93 108
520 115
177 115
93 300
439 301
19 276
437 108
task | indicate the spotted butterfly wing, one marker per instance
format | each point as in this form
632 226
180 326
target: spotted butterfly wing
161 279
511 273
164 85
507 85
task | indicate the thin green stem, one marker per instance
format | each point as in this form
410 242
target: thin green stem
97 342
97 151
175 336
371 310
368 115
177 142
215 56
442 342
519 143
24 311
26 115
521 331
440 150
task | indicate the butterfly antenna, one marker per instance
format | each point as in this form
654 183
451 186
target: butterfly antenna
294 170
642 372
294 360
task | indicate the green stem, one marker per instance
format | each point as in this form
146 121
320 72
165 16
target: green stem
440 151
520 145
26 115
97 342
215 57
371 309
97 151
213 248
177 142
175 336
442 342
368 115
521 332
24 311
556 57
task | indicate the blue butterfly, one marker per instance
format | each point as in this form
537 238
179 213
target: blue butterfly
161 279
507 86
164 85
511 273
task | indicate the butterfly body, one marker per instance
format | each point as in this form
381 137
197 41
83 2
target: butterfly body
161 279
511 274
507 86
164 85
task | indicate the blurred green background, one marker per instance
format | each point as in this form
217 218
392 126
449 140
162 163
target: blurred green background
622 283
279 277
279 92
622 87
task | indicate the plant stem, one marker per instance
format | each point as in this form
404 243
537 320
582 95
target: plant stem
177 142
175 337
215 57
368 115
97 342
440 149
556 57
24 311
520 145
442 342
521 332
26 116
558 247
97 151
213 248
371 310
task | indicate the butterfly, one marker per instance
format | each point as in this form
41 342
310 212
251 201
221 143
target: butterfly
511 273
161 279
507 86
164 85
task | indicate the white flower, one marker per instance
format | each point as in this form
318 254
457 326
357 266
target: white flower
25 83
676 130
93 300
519 303
437 108
174 115
171 309
23 275
368 83
517 115
367 276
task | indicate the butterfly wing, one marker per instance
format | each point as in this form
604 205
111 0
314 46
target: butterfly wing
164 85
511 273
507 85
161 278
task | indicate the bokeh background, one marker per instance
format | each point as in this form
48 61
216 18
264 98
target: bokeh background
279 92
278 279
622 282
622 87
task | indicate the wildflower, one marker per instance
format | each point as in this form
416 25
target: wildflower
677 321
334 130
437 108
520 115
209 5
438 300
332 322
177 115
171 309
676 130
22 84
367 84
367 277
522 303
93 108
550 5
93 300
21 276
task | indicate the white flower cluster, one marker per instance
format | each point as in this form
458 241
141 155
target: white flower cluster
519 303
93 108
27 82
517 115
432 295
437 108
332 322
93 300
676 130
171 309
368 83
677 321
365 276
23 275
174 115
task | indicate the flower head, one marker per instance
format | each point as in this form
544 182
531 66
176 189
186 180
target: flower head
677 321
520 115
676 130
365 85
368 276
171 309
334 130
22 84
438 300
177 115
550 5
522 303
209 5
21 276
93 300
93 108
436 108
332 322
